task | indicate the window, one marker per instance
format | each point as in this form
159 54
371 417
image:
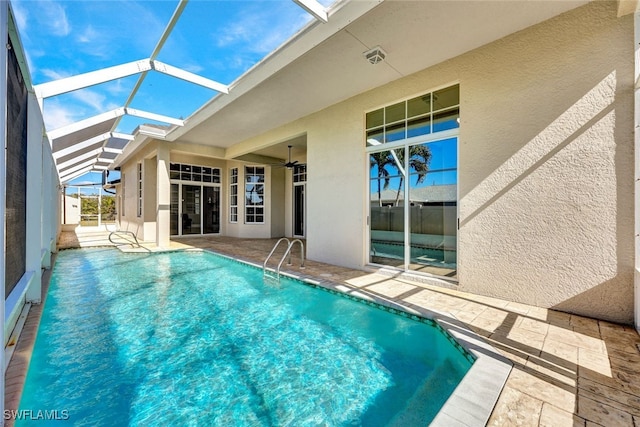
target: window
425 114
233 195
139 189
254 195
124 198
413 183
300 173
194 173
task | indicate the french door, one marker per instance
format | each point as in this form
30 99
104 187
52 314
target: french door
299 208
195 209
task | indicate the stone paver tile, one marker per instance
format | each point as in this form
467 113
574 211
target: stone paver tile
543 387
520 338
560 350
614 330
486 324
367 279
422 298
603 414
593 361
534 325
516 356
614 397
548 369
474 307
577 339
621 380
556 417
470 312
558 318
515 409
584 323
488 301
493 313
516 307
390 288
620 346
538 313
631 360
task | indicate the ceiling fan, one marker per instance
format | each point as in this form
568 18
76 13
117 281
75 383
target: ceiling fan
289 164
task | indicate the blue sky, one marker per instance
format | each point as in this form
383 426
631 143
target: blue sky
219 40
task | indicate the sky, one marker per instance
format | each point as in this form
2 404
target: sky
218 40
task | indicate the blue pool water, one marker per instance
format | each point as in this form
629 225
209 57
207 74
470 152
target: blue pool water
192 338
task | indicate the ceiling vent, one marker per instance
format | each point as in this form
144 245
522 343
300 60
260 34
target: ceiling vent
375 55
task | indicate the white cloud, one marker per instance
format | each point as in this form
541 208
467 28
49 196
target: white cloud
53 75
96 100
89 35
116 87
57 115
54 17
192 68
21 15
261 31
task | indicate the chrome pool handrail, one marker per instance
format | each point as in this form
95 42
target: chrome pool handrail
290 245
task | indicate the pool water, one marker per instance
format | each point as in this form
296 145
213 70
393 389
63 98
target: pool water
192 338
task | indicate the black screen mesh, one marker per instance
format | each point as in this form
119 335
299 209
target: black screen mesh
16 159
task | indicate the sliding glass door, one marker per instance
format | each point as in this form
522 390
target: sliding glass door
413 207
413 182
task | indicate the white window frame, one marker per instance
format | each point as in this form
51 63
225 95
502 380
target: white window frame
233 192
139 189
261 207
124 198
372 147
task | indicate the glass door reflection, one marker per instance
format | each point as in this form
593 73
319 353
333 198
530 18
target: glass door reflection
211 210
191 209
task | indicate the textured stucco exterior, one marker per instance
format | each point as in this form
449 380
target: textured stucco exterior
545 165
546 178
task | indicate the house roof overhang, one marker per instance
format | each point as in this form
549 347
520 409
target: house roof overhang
324 63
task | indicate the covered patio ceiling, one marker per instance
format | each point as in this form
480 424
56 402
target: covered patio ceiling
322 64
414 35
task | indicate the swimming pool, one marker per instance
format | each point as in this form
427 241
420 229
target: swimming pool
189 338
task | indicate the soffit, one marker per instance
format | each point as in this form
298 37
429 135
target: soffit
415 35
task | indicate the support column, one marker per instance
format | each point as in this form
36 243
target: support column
636 119
50 213
33 260
163 196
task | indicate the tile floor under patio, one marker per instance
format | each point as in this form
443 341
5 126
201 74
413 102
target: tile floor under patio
568 370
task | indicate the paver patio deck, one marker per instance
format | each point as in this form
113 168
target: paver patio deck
568 370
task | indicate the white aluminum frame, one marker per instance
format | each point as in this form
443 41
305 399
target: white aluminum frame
314 8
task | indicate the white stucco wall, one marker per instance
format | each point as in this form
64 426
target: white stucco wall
545 165
546 178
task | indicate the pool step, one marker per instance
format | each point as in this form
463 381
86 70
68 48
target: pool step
415 411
